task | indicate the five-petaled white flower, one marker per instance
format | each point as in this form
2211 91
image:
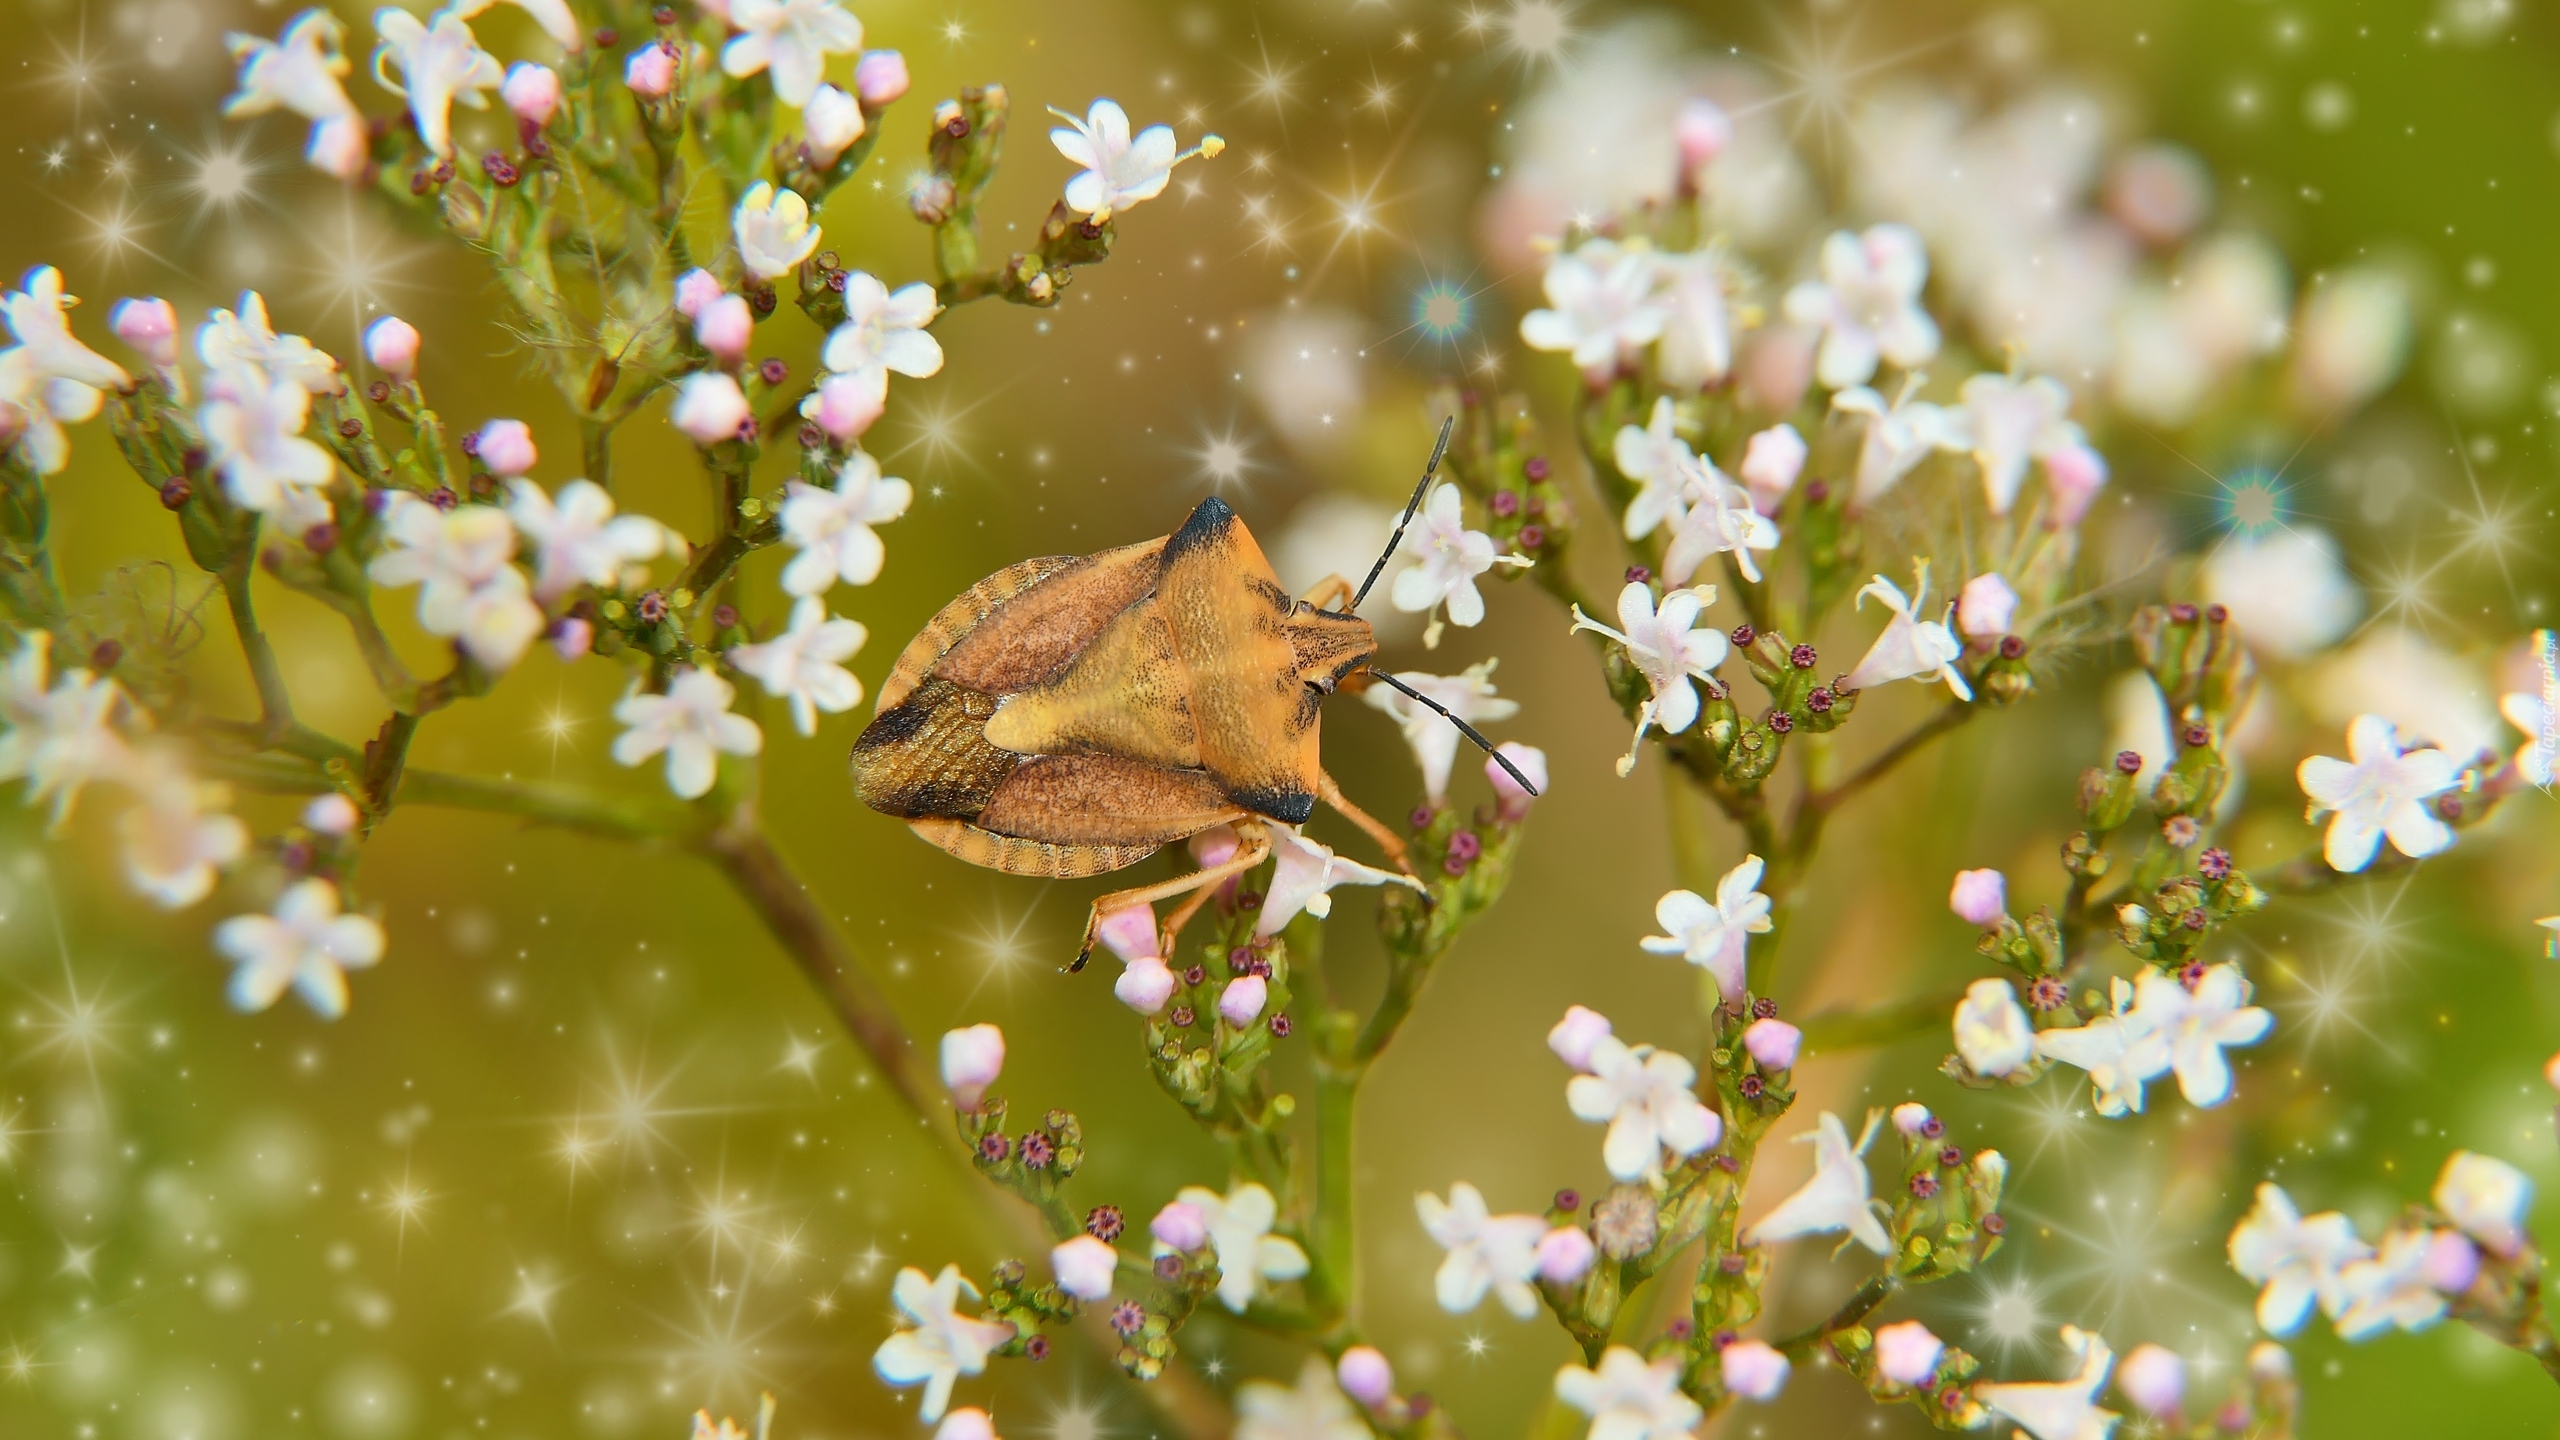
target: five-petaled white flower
62 729
1314 1410
1910 648
2298 1260
306 944
440 62
1720 519
832 528
299 70
2382 791
1836 1198
178 836
1668 649
692 724
1898 436
2007 423
1119 169
1660 463
2120 1049
934 1344
884 330
1867 304
793 37
1629 1399
1249 1255
1486 1252
1714 936
253 435
1452 556
2196 1024
1993 1034
1644 1096
801 664
467 589
577 539
1304 872
1605 306
2394 1288
49 376
231 338
773 231
1467 695
2065 1410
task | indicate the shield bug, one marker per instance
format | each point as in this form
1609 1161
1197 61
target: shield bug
1070 715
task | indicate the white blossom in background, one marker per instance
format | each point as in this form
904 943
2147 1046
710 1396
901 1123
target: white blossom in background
1697 333
1604 306
1452 556
691 724
253 431
1721 519
1660 463
2297 1260
1714 936
61 728
1666 646
1250 1257
883 330
1468 695
230 338
178 836
1771 464
299 70
1304 873
2008 424
1643 1095
2120 1050
1993 1033
2197 1024
804 665
2287 590
935 1344
832 528
306 944
1896 439
1314 1409
2067 1410
467 588
791 37
49 376
773 231
2487 1199
1836 1198
2394 1288
577 539
440 62
2352 338
1118 169
1487 1252
1628 1398
1867 304
1910 648
1753 1369
2380 792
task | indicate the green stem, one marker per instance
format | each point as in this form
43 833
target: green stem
275 703
1861 1303
1846 1028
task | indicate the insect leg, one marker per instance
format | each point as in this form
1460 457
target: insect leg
1328 592
1255 849
1331 794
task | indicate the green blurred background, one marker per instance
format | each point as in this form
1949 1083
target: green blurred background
588 1153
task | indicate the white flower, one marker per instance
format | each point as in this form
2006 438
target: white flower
577 539
1666 646
2197 1024
1721 519
2486 1198
829 124
228 339
1660 463
794 37
2067 1410
1486 1251
2297 1260
935 1344
554 16
62 729
1907 1353
1909 649
178 837
884 330
467 590
1986 607
440 62
800 664
1302 874
2007 423
1897 437
1467 695
1697 335
1452 557
297 71
1085 1266
253 434
1993 1033
692 724
972 1058
1315 1410
773 230
710 408
306 944
2120 1050
2286 590
2380 792
832 528
1644 1096
49 376
1714 937
1628 1399
1836 1198
1119 170
2390 1290
2539 758
1605 306
1867 304
1240 1232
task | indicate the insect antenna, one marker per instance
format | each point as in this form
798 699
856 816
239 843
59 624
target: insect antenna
1464 728
1439 448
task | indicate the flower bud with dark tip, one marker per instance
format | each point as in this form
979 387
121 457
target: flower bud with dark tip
175 493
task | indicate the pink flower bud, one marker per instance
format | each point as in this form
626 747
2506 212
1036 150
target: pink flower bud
1770 466
1130 933
1214 846
1180 1226
1909 1118
1565 1254
1907 1353
844 406
725 328
1575 1034
971 1061
710 408
391 343
829 124
532 92
1980 897
1986 607
1775 365
1243 999
966 1423
1753 1370
880 77
1703 130
1085 1265
2452 1263
2154 1379
1145 986
506 448
2073 476
573 638
1773 1043
1510 801
150 326
1365 1376
340 146
651 73
331 814
695 290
